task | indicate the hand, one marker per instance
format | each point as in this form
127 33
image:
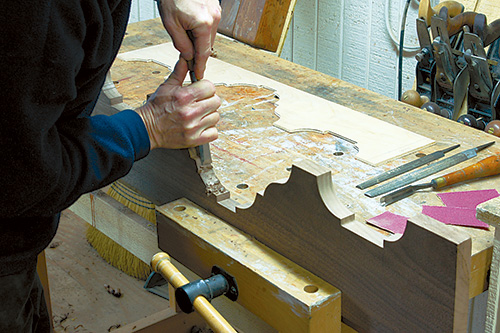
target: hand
201 17
178 116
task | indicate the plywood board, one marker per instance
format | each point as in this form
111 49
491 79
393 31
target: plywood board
376 140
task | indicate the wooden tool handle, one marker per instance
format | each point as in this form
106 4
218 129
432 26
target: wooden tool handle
425 11
161 264
488 167
454 24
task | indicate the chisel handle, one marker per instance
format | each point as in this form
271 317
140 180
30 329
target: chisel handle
425 11
455 24
488 167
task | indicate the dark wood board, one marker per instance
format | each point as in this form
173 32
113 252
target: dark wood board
260 23
417 283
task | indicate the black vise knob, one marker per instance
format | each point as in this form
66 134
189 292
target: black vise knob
220 283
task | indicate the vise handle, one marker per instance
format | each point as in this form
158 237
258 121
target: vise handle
161 263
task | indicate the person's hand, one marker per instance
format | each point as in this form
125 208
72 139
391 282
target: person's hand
201 17
178 116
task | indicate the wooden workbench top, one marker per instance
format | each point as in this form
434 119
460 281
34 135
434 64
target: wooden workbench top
251 151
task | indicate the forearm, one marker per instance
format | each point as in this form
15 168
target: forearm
74 157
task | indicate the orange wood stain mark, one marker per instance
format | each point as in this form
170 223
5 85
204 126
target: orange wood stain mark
136 79
246 106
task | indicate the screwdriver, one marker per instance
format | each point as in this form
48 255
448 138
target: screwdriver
487 167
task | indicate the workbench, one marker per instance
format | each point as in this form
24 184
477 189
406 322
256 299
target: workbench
251 153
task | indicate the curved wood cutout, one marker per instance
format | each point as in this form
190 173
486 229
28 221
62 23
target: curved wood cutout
377 141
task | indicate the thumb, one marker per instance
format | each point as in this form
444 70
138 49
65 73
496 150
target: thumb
176 78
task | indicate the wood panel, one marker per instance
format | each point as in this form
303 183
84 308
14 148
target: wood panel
376 140
134 233
228 16
261 23
489 212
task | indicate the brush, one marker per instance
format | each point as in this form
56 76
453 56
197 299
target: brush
111 251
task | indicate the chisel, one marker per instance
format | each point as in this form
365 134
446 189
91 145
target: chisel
488 167
405 168
426 171
203 151
201 154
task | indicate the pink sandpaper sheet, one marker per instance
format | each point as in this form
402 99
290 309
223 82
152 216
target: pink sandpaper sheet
467 199
455 216
460 209
390 222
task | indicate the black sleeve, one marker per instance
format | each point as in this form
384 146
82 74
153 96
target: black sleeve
53 61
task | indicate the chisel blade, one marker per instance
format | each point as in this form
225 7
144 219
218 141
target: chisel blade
201 154
426 171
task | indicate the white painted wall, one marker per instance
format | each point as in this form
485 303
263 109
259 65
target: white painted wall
143 10
346 39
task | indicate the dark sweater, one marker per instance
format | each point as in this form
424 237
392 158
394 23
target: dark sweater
54 55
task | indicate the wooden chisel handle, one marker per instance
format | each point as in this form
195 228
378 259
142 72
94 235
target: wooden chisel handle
454 24
425 11
488 167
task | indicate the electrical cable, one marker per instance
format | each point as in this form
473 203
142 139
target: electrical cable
411 48
401 50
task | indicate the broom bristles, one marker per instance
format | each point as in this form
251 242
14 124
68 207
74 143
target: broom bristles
111 251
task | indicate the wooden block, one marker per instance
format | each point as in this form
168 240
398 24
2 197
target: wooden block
480 266
489 212
280 292
228 16
260 23
134 233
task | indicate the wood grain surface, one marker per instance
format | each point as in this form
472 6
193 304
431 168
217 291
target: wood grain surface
285 295
261 23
